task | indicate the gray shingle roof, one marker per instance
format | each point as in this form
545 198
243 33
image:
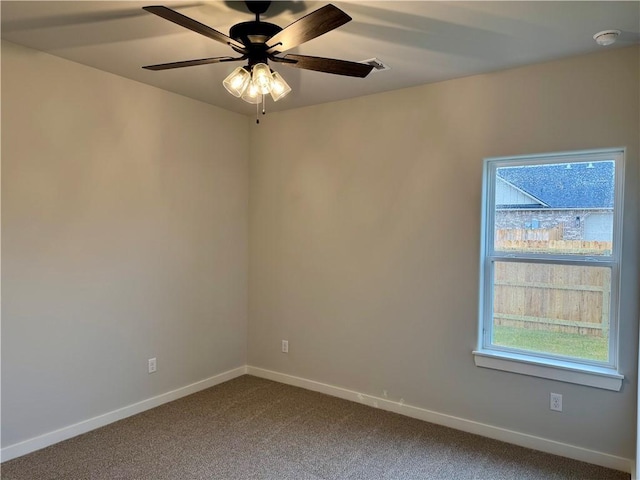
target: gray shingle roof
583 185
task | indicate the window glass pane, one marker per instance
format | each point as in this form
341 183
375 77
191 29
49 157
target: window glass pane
560 208
551 308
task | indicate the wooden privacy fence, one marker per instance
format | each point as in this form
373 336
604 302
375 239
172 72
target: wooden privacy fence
518 234
582 247
562 298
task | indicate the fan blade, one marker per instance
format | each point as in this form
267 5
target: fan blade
193 25
307 28
192 63
329 65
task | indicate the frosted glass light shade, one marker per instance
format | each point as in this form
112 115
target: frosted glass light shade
261 76
252 94
279 88
236 83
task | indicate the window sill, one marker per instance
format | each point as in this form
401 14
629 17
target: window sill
598 377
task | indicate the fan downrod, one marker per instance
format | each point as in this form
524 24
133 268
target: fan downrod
255 33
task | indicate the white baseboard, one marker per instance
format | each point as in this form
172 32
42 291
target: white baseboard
497 433
42 441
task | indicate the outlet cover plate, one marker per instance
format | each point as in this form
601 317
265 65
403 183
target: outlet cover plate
555 402
152 365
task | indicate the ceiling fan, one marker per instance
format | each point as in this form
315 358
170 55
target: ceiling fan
259 42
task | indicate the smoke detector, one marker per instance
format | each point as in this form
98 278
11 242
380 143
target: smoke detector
606 37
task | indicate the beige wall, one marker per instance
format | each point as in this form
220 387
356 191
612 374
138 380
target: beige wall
364 240
124 237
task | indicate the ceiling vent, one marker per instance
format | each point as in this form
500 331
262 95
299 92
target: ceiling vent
377 65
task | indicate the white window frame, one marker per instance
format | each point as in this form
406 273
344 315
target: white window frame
584 372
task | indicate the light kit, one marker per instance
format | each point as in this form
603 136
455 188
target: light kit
251 83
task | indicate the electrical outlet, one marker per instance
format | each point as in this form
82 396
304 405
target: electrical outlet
285 346
152 365
555 402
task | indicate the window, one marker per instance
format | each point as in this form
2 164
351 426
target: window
548 291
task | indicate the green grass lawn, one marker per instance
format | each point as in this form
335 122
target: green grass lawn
569 344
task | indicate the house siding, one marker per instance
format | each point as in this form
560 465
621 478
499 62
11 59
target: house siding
573 230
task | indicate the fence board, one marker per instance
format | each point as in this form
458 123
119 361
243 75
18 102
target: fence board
511 242
522 234
584 288
567 298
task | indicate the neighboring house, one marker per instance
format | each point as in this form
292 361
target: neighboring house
576 199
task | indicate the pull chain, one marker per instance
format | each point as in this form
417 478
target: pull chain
264 109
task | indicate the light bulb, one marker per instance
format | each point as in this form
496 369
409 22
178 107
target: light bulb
279 88
261 77
252 94
237 81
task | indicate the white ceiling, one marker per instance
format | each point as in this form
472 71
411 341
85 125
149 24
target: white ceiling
421 41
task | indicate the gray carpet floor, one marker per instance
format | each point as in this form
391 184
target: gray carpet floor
251 428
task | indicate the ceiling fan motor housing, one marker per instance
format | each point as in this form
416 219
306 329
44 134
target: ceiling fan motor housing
253 33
